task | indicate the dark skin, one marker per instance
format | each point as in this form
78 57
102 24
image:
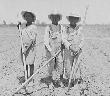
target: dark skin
29 20
55 19
73 21
28 23
55 22
72 24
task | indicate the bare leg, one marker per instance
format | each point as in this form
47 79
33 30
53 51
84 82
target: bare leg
31 69
27 70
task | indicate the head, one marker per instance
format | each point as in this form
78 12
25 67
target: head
55 18
73 20
28 16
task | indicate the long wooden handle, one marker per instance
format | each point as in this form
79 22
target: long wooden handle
72 73
24 61
36 73
72 70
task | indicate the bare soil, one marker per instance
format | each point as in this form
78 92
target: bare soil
94 65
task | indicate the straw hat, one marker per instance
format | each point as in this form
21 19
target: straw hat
55 15
28 16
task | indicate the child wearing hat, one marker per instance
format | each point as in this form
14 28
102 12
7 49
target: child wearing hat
29 34
72 39
52 41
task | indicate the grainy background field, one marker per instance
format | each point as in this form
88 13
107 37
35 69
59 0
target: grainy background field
94 63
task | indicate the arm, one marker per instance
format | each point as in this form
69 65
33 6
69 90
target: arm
78 41
64 38
66 43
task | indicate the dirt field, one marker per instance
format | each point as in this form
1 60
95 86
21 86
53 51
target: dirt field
94 64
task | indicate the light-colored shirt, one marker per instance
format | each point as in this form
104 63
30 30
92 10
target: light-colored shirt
29 34
72 37
51 31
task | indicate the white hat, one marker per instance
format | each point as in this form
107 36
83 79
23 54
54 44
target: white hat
75 17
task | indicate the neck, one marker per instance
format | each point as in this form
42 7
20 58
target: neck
73 25
54 23
28 24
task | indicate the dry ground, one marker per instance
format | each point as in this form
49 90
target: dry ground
94 64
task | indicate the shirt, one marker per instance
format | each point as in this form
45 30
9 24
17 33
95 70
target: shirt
51 32
73 37
29 34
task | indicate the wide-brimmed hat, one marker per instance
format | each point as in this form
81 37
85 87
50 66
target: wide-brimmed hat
28 15
74 17
57 16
